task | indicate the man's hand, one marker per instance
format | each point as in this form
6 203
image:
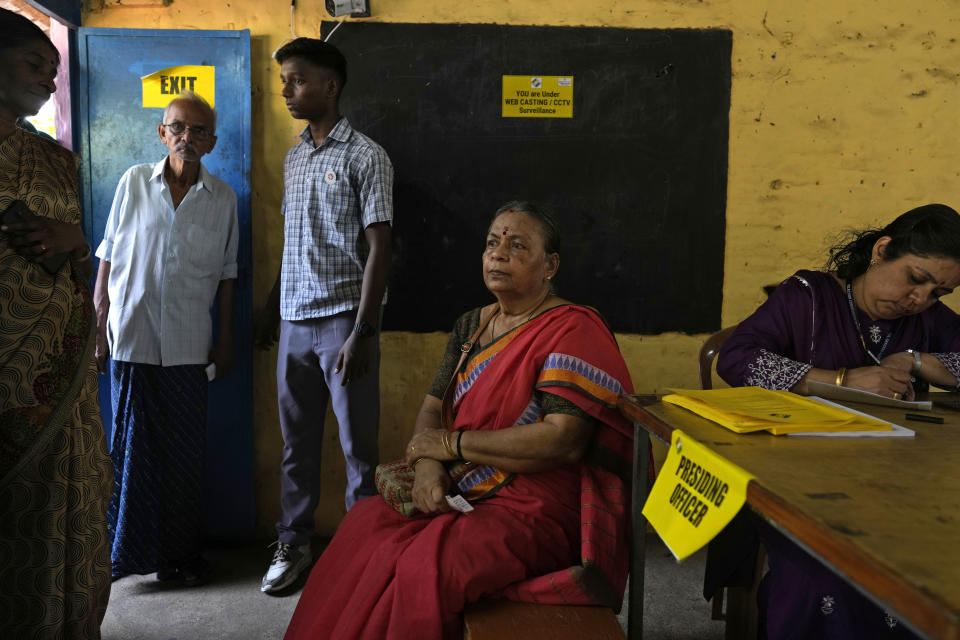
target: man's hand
354 358
266 327
101 302
101 349
222 356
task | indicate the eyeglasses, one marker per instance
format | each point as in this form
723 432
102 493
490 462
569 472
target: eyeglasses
177 128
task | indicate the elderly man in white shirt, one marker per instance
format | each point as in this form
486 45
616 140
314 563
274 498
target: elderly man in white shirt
169 250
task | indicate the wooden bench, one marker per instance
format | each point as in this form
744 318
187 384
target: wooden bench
498 619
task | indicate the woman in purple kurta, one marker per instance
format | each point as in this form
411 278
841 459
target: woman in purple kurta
873 321
807 323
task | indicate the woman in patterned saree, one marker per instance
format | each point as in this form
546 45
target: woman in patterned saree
55 476
534 410
871 321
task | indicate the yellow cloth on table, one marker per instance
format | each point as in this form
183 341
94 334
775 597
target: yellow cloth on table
748 409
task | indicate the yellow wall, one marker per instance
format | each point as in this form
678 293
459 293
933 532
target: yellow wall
842 114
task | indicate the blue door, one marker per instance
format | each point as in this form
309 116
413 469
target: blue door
116 132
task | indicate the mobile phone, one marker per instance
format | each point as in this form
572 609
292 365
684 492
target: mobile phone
19 211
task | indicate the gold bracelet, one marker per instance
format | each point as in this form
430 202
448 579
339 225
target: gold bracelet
446 445
413 467
841 376
444 438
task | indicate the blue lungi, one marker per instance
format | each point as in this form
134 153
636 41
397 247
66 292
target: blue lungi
159 435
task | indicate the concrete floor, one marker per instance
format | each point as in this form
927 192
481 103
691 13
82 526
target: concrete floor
232 607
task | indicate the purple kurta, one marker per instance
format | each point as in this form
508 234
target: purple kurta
807 323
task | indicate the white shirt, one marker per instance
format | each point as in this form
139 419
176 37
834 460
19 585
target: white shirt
166 265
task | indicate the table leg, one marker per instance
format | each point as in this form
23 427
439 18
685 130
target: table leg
638 549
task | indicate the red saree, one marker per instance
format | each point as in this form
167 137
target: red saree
559 536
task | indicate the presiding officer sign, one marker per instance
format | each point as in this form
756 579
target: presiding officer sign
696 494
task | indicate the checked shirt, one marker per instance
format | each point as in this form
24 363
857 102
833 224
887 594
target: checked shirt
331 194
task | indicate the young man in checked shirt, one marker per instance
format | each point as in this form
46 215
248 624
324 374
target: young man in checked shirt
337 208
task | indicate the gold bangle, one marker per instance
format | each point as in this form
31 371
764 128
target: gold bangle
841 376
445 438
413 467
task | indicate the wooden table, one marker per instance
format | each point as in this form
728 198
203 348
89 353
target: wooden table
883 513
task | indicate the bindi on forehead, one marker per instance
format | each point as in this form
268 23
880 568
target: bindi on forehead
505 230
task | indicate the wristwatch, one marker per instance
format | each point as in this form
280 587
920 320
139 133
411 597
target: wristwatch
363 329
917 362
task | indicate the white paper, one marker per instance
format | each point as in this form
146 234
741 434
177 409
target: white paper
847 394
211 371
897 432
459 503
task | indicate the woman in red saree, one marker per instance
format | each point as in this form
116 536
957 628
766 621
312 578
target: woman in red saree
534 408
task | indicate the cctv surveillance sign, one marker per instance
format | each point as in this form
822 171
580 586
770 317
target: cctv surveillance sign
537 96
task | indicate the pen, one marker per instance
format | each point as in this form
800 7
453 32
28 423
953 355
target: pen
920 418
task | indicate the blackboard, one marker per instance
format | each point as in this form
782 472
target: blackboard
637 178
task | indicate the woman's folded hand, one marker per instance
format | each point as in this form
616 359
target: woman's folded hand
431 483
428 443
41 236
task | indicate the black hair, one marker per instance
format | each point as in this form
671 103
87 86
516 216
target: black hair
19 30
932 230
316 52
548 225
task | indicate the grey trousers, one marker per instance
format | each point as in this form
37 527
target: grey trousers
307 356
